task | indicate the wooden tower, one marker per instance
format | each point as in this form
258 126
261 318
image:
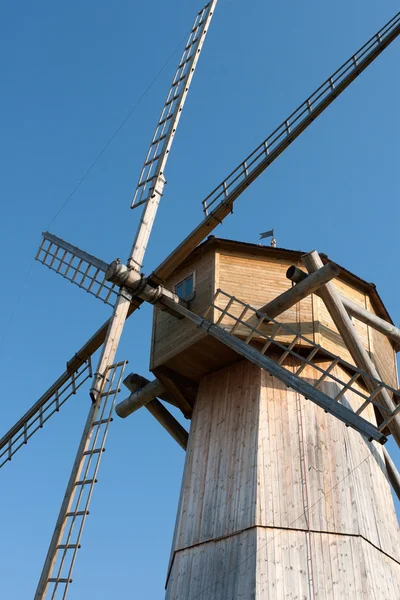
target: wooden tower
279 499
292 391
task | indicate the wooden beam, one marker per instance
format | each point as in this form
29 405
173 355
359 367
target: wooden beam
393 333
393 474
288 378
177 393
163 416
170 424
140 397
300 291
334 304
188 386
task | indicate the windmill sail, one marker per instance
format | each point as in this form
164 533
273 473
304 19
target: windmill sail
57 571
218 204
120 312
76 265
156 159
48 405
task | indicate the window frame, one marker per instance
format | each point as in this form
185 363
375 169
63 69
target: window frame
191 296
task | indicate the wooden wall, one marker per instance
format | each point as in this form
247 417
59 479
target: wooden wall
280 499
170 335
256 278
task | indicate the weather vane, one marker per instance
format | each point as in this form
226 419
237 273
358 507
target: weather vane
268 234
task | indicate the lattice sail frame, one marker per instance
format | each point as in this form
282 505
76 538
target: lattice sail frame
76 265
153 168
37 416
298 120
57 574
248 324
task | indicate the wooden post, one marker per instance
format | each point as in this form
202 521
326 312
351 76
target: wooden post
159 412
393 333
334 304
309 285
139 398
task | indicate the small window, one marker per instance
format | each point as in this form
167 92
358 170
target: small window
185 289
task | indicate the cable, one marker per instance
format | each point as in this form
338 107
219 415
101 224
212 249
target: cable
120 126
64 204
303 514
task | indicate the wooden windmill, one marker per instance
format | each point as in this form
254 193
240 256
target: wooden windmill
289 379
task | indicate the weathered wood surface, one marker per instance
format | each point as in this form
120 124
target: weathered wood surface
331 298
303 289
139 398
170 338
272 484
296 275
258 279
159 412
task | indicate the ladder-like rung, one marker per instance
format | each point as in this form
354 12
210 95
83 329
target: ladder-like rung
85 482
151 160
192 43
165 119
254 330
95 451
171 100
59 580
239 319
307 361
177 94
158 140
184 62
271 339
178 81
347 386
326 372
288 351
78 513
101 422
110 392
68 546
224 312
199 24
390 418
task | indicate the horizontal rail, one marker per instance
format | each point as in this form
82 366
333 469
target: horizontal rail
340 411
298 120
288 330
42 410
222 209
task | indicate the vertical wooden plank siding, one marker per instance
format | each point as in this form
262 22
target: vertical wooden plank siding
280 499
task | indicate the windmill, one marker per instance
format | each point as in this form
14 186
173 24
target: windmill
253 334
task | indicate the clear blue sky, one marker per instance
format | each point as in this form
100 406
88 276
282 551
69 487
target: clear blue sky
70 73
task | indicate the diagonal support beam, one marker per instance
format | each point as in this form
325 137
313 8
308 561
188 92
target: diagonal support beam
303 289
154 406
343 413
139 397
334 304
296 275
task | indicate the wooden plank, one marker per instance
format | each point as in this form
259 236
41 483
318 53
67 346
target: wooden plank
312 262
297 384
175 391
354 309
300 291
163 416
